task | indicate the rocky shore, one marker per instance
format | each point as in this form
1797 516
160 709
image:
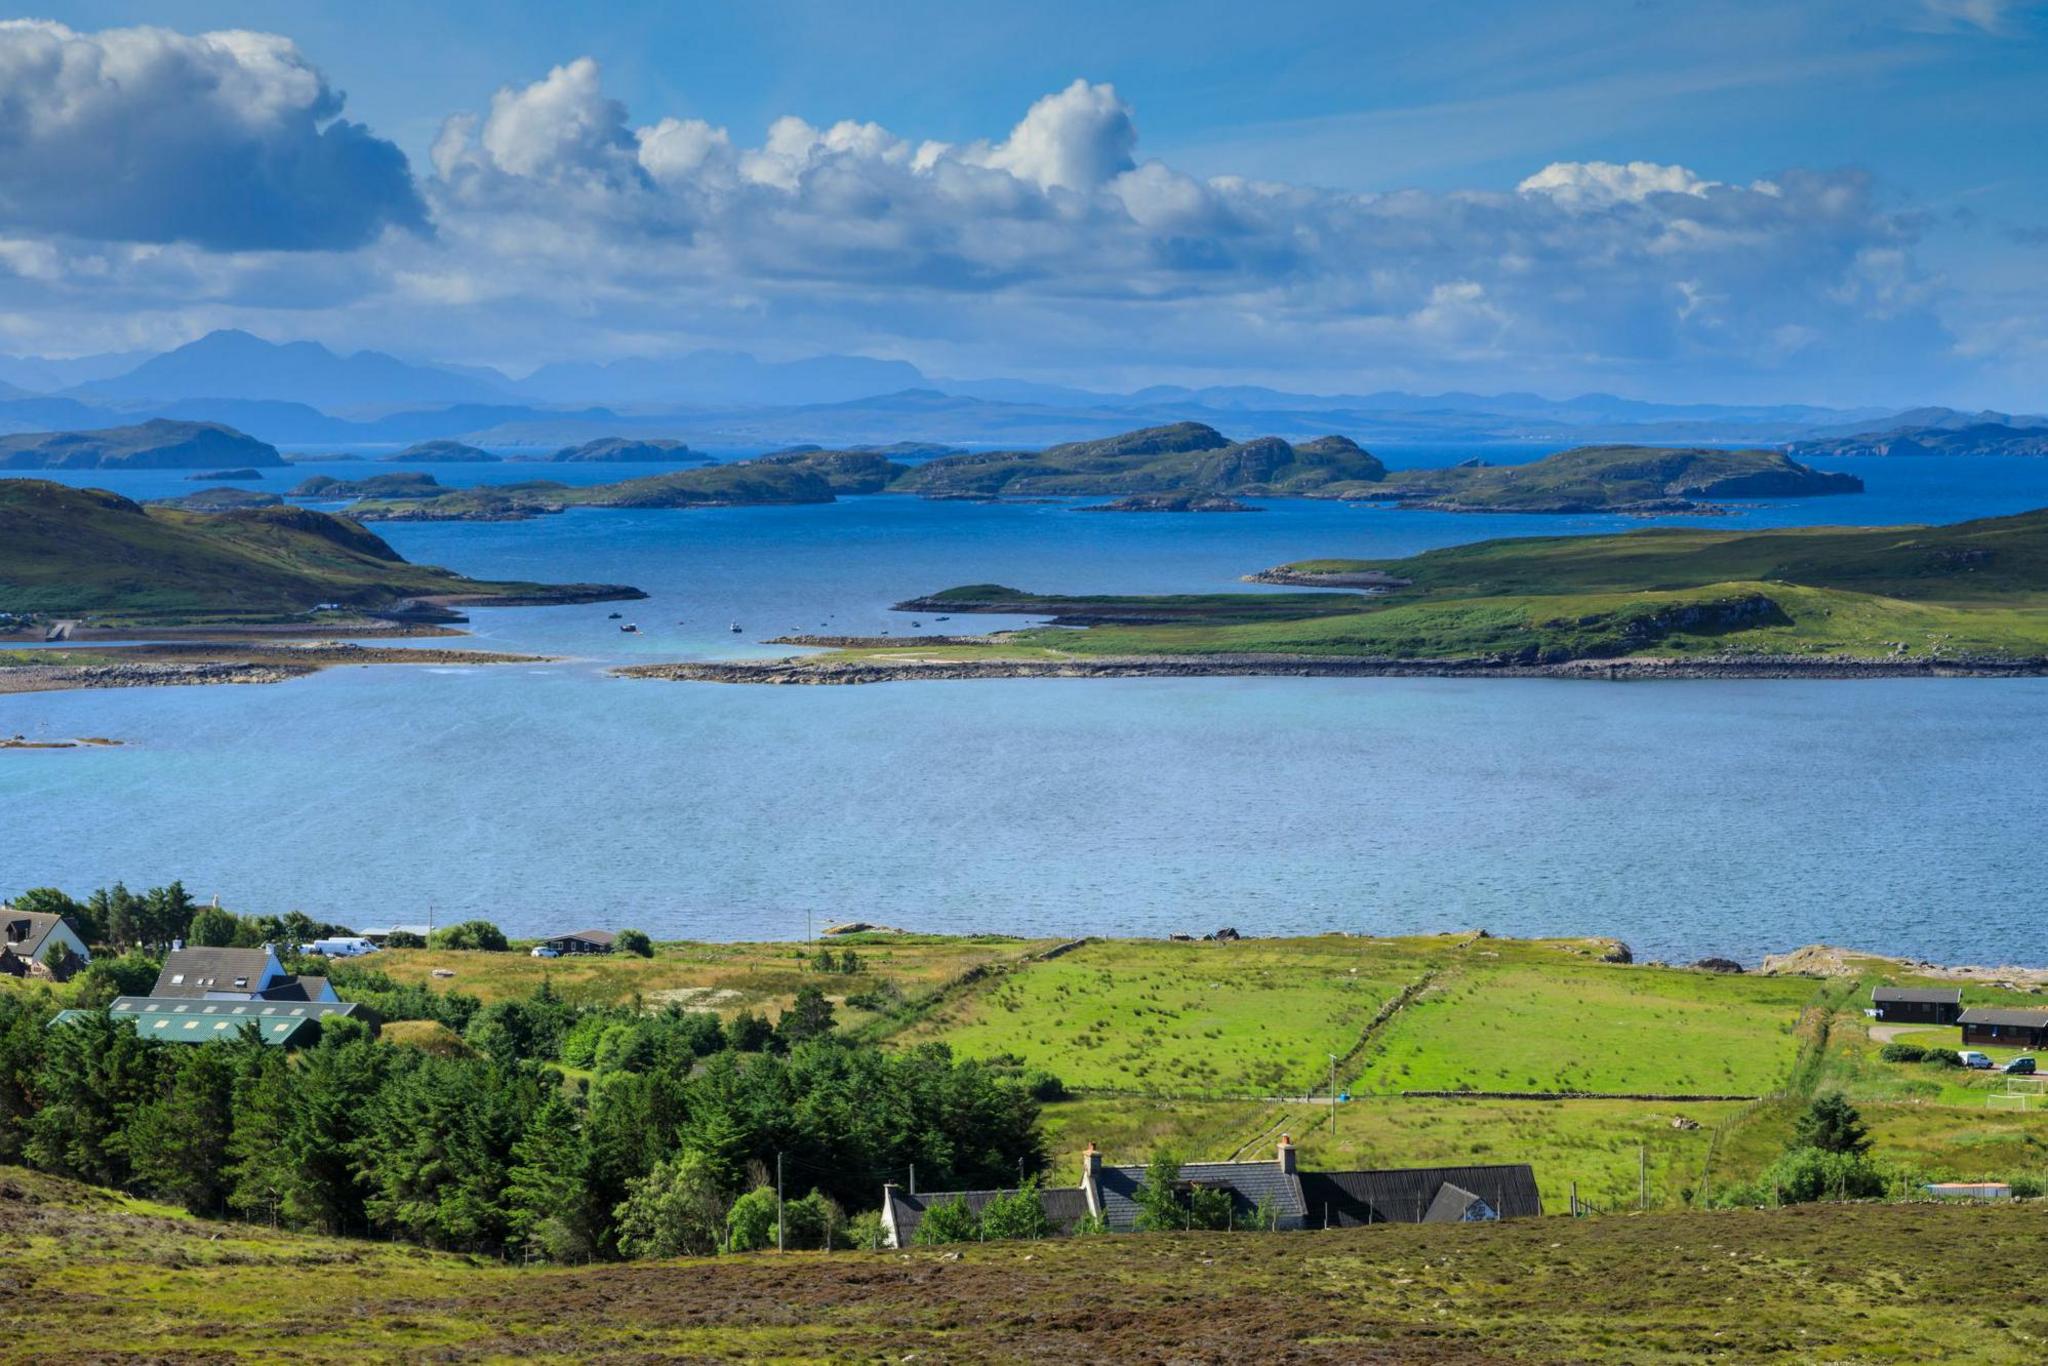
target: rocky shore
174 664
1633 669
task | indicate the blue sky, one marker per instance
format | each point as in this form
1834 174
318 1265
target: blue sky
1829 202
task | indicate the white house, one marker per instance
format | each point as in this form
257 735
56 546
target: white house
31 938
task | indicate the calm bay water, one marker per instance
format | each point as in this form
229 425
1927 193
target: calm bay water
1688 818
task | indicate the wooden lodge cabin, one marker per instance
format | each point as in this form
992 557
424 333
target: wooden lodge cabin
582 941
1917 1005
2005 1027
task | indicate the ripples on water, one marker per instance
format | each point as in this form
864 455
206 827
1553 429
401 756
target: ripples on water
1689 818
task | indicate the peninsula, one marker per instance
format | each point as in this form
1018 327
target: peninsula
1977 438
1967 599
229 588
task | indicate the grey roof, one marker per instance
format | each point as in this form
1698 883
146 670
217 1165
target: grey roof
587 936
280 1024
1417 1195
1064 1206
26 930
1999 1015
306 988
194 972
1250 1184
1925 996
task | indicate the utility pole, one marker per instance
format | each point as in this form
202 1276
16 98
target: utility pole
778 1202
913 1178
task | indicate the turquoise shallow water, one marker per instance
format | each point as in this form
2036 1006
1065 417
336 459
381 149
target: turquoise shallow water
1689 818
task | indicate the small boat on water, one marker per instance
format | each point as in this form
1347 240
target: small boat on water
614 616
917 625
735 628
630 629
941 618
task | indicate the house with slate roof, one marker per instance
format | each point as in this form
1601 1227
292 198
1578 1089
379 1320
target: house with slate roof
33 944
235 975
1294 1199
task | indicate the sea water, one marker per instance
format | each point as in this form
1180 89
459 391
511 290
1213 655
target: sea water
1689 818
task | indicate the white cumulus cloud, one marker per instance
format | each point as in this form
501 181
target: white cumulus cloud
229 140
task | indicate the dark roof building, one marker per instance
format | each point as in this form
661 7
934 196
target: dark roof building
1421 1195
1065 1207
582 941
1292 1198
1917 1005
234 975
2005 1026
33 937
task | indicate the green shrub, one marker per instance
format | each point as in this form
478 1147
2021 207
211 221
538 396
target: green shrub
750 1224
1804 1175
864 1230
1044 1086
815 1221
2028 1187
1832 1125
952 1222
479 935
404 939
1942 1057
1902 1052
635 942
1017 1215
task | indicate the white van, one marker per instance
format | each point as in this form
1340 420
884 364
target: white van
343 946
1972 1058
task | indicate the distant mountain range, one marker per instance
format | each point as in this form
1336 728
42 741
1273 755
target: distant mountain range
304 393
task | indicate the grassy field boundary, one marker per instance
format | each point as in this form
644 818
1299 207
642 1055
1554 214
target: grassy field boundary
1400 1001
1680 1098
920 1008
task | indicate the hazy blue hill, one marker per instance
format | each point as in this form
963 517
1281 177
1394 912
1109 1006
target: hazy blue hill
159 444
624 450
720 378
1976 438
233 364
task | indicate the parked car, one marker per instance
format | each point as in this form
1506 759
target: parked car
1972 1058
543 951
2021 1067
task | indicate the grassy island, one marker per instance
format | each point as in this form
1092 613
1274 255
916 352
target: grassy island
1855 601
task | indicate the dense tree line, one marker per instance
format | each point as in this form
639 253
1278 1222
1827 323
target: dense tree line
664 1147
150 921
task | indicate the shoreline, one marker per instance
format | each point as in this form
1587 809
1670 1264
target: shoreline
203 663
1626 669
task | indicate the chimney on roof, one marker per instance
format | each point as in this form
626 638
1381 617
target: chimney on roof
1091 1164
1286 1155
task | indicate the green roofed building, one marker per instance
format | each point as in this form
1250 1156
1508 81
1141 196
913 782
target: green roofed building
279 1024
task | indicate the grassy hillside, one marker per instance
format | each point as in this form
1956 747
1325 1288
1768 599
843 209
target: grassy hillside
741 483
1185 457
1974 591
98 1276
1615 478
66 550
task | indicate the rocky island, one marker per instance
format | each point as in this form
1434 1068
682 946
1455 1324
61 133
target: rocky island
1969 599
441 453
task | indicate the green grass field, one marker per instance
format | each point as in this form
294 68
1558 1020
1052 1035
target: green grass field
1522 1022
1253 1017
